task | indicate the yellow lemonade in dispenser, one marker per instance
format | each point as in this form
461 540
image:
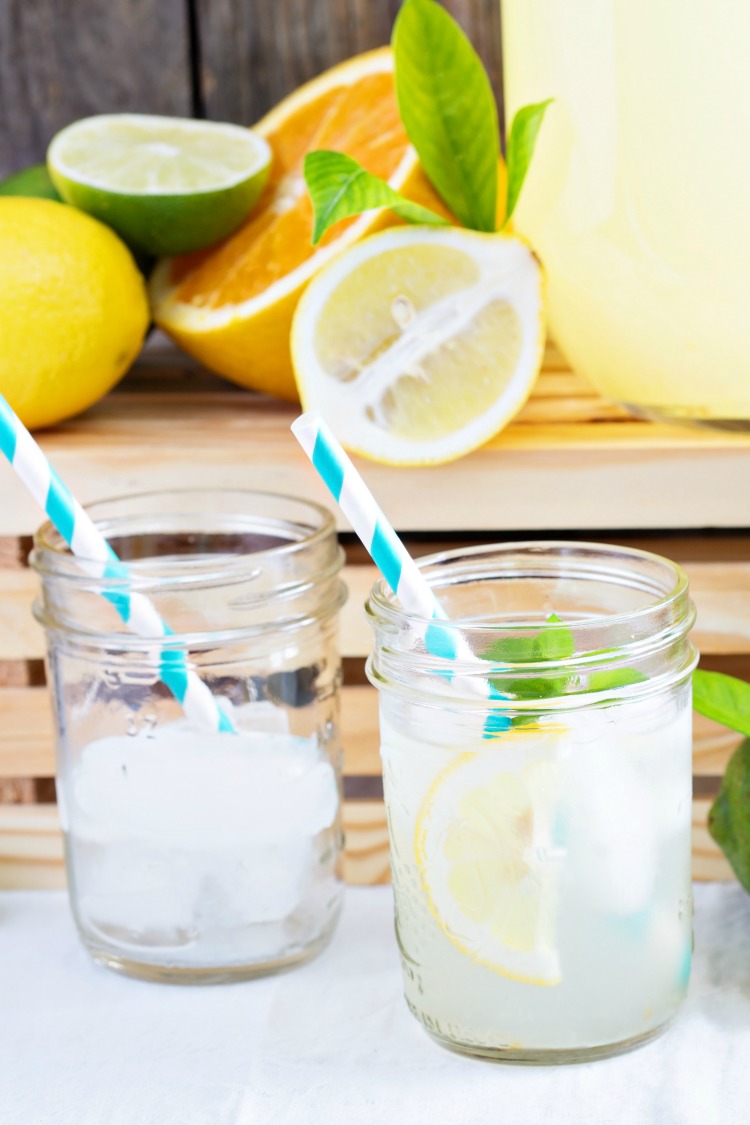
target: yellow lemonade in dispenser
636 200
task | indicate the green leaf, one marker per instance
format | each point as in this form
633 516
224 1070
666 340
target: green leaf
552 644
727 700
448 110
520 150
555 644
548 644
723 698
340 187
512 650
729 816
615 678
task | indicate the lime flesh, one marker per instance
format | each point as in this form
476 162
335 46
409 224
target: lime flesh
167 185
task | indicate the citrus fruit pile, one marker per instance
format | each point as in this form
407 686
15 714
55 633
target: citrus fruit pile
232 306
417 344
75 308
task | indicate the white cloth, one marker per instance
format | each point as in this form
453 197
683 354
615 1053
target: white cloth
333 1043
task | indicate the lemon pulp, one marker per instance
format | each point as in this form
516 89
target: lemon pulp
419 344
483 840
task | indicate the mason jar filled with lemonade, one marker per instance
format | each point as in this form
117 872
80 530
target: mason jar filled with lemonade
636 199
537 777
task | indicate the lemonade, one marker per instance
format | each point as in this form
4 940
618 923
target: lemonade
541 873
597 897
636 197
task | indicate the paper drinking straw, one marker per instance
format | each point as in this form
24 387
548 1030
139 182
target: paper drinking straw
85 541
384 546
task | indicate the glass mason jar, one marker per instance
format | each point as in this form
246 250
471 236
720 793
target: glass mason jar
636 198
192 855
540 839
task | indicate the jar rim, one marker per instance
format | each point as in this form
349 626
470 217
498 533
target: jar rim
296 566
498 663
383 605
51 556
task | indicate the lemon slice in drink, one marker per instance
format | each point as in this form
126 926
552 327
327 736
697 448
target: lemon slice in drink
167 185
419 344
486 850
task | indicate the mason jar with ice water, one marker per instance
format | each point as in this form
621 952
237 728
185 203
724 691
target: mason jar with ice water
195 855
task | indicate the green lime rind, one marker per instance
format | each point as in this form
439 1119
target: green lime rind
166 185
33 183
729 816
164 225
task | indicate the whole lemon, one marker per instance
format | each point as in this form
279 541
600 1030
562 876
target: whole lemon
73 312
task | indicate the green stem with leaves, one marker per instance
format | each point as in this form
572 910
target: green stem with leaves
449 113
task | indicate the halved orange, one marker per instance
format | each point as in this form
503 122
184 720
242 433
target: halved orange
231 306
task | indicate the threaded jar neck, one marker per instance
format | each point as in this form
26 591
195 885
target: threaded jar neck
547 625
216 564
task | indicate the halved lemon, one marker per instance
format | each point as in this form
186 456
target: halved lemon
419 344
487 851
231 307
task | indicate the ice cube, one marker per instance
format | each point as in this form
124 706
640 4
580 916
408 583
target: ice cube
611 827
216 793
656 738
137 895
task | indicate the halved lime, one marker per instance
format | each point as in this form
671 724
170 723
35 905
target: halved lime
33 182
167 185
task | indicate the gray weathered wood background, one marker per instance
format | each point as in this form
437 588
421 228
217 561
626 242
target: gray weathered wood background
230 60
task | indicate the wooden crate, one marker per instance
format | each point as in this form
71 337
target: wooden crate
570 466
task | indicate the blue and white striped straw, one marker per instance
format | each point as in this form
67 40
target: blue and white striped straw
85 541
385 548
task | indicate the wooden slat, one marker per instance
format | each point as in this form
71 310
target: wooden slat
31 849
26 735
254 54
559 395
709 863
360 734
685 547
721 592
17 791
565 476
18 673
13 553
59 62
20 636
713 746
366 857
